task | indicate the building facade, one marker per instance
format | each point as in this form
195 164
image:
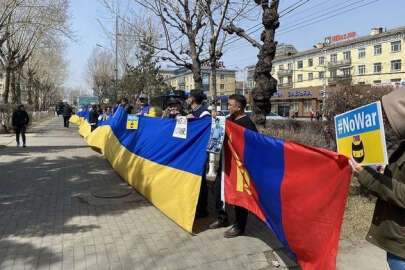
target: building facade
182 79
305 77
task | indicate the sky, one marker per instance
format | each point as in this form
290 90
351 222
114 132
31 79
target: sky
303 27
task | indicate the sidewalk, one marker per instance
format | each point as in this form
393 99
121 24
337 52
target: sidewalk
49 218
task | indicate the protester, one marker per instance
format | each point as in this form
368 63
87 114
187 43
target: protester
126 106
236 107
388 184
145 109
20 122
93 117
174 109
116 105
107 114
4 120
67 113
195 100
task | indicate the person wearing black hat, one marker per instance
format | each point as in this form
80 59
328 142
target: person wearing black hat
174 109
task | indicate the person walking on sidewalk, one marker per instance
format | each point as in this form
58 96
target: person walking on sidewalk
67 113
387 229
20 122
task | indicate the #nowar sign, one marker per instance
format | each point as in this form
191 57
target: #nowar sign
360 134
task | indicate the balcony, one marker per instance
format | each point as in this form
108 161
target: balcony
284 72
338 79
339 64
285 85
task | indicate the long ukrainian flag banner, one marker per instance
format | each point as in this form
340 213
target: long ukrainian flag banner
298 191
164 169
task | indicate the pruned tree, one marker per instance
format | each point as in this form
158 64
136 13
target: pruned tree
266 85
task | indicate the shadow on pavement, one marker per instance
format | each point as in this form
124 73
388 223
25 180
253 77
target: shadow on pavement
41 194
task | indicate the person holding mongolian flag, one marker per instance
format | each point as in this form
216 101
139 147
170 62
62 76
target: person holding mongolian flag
298 191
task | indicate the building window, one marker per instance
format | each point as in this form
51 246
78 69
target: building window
1 76
377 49
222 76
310 62
362 69
290 66
300 64
299 78
377 81
347 55
362 83
396 46
294 107
280 80
333 58
321 74
222 86
362 52
281 67
310 76
347 72
272 69
307 105
396 65
321 60
333 73
377 68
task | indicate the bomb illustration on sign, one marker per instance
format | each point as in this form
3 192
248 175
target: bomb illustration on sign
358 149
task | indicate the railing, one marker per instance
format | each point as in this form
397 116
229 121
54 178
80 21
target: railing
284 72
285 85
342 63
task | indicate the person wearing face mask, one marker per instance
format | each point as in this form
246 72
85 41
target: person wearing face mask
236 106
387 229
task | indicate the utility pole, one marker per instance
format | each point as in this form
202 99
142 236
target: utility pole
324 81
116 54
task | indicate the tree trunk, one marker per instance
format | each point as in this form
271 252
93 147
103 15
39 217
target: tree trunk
196 65
18 86
13 88
266 85
214 83
7 86
29 88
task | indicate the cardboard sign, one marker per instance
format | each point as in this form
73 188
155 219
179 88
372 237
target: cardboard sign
132 121
180 130
360 134
217 135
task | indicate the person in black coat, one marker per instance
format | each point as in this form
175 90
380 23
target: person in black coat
93 117
67 113
20 121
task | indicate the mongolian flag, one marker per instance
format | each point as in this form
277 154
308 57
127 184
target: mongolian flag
298 191
166 170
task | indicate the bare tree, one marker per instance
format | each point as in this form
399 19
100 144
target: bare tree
100 73
30 23
266 85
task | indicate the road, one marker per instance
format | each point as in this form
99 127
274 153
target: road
50 218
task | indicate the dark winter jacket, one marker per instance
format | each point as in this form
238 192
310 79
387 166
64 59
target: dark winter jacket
67 110
388 225
93 117
20 118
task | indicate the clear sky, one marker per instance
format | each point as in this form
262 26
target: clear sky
334 16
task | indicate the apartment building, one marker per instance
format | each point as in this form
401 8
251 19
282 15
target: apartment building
182 79
304 78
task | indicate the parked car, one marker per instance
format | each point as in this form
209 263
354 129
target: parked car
274 116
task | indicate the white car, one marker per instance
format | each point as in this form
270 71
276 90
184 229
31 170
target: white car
274 116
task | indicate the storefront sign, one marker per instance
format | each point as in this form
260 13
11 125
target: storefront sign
360 134
300 93
337 38
277 94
